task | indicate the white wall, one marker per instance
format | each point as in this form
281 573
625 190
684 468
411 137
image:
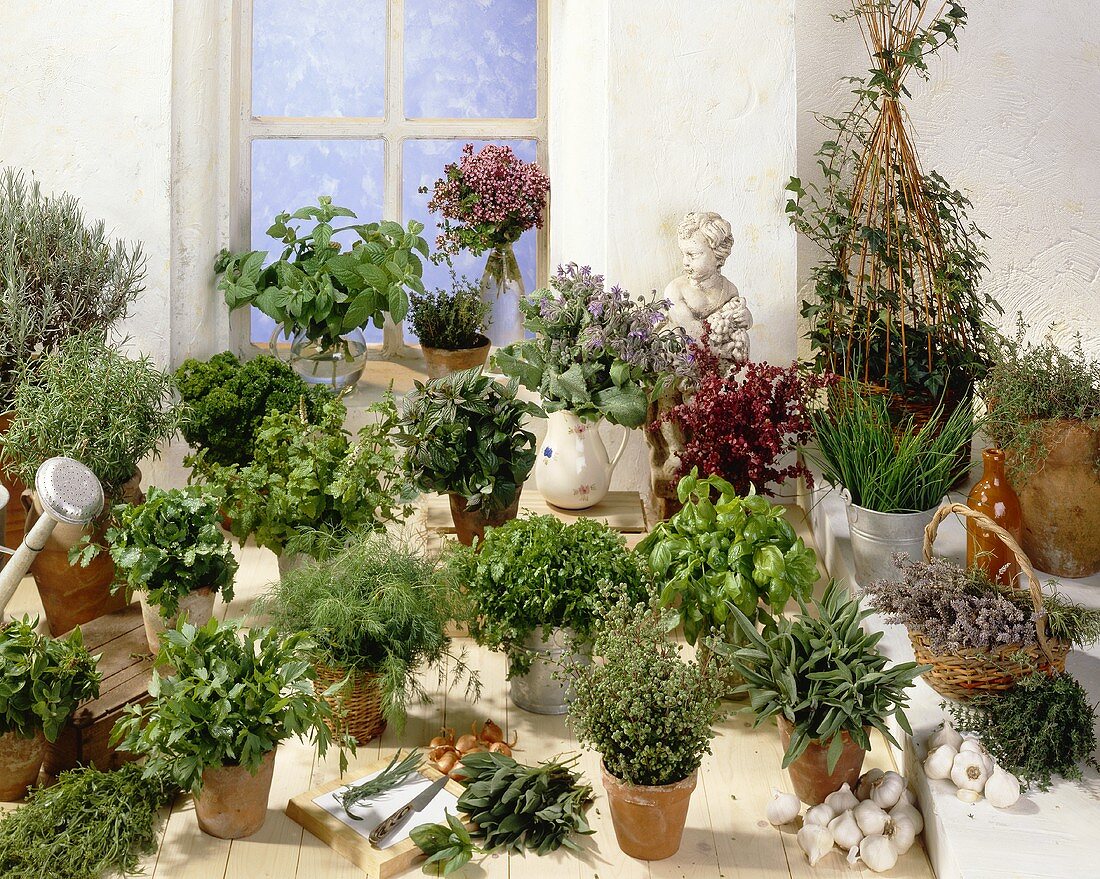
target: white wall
1013 120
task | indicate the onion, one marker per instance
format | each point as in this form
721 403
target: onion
491 733
500 748
446 762
466 743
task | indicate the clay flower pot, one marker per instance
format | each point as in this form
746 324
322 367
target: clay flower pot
11 534
199 607
810 776
70 594
1060 502
20 760
648 819
233 802
472 523
442 361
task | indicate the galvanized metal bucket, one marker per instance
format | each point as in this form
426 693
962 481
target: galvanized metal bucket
539 691
876 537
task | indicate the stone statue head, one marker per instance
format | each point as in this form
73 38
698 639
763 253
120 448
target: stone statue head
706 241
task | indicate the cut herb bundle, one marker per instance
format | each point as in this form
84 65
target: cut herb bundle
88 824
516 808
399 767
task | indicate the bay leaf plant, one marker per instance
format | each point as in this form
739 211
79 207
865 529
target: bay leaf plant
231 696
823 672
318 287
540 571
464 434
42 679
723 550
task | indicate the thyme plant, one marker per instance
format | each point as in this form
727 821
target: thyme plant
453 319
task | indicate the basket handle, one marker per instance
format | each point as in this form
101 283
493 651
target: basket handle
987 524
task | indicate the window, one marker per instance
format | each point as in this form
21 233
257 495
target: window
366 100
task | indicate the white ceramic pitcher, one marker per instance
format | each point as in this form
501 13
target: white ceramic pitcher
573 470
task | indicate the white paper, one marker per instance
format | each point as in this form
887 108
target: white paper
377 809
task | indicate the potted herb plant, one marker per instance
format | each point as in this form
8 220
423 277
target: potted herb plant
893 474
649 713
90 402
450 325
376 614
42 681
214 724
488 200
226 401
823 679
535 585
322 295
62 275
722 549
1044 412
595 354
464 436
170 550
311 484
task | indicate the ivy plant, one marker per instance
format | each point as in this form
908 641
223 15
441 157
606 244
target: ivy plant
464 435
232 697
722 550
316 286
42 679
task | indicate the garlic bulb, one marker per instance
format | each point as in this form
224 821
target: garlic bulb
782 808
886 792
938 763
870 818
972 743
911 812
842 800
908 797
845 830
901 832
821 814
967 796
969 771
944 736
816 841
878 853
863 786
1002 789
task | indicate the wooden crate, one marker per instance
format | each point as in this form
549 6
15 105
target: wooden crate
126 665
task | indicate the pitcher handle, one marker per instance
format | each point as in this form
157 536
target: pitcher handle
618 454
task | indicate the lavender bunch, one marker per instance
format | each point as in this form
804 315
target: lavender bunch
596 352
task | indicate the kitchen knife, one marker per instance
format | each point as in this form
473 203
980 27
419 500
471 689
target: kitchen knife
386 827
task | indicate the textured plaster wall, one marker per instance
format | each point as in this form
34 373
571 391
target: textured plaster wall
656 111
1013 120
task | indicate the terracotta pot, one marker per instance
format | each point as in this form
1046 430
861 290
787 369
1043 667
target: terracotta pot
648 819
442 361
12 533
199 607
472 523
810 776
233 802
1060 502
20 760
74 595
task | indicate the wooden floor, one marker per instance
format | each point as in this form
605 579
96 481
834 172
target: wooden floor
726 835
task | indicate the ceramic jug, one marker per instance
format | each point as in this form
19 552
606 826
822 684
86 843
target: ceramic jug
573 470
993 496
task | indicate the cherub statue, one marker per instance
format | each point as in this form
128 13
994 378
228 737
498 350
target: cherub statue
703 293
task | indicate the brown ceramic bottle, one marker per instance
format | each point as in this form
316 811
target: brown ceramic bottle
994 496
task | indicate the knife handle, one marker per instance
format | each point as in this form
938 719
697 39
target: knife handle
386 827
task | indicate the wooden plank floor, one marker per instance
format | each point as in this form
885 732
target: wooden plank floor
726 836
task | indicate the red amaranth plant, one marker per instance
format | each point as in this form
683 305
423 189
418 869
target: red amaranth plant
738 425
487 200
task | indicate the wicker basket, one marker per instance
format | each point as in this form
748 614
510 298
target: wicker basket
963 674
358 705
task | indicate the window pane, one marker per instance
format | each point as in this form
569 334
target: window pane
423 165
470 58
324 58
288 174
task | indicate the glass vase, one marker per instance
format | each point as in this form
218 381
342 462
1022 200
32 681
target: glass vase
339 366
502 286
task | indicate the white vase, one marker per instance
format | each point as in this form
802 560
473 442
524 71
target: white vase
573 470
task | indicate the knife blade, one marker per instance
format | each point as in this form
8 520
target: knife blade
386 827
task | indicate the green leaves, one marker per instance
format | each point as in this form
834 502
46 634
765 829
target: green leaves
449 847
320 289
42 679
